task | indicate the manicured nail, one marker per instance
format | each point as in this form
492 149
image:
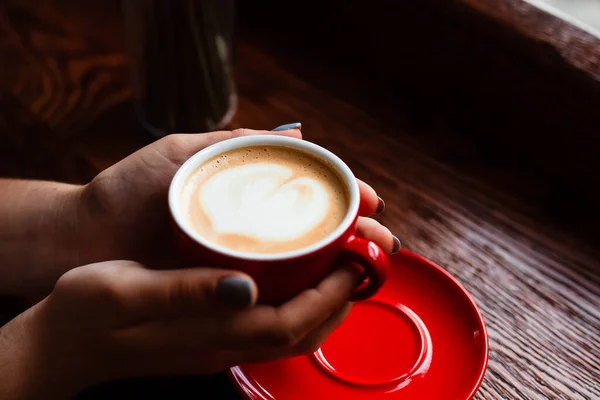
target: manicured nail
293 125
397 245
380 206
235 292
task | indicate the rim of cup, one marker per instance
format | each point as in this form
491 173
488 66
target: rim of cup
183 173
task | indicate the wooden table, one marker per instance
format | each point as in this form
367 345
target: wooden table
66 113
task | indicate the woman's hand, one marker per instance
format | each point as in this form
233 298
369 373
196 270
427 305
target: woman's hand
125 207
126 213
119 319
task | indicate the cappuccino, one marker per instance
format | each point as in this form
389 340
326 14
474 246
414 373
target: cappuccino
264 199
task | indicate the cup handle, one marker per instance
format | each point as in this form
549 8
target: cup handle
372 259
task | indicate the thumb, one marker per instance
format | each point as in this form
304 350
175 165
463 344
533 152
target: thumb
162 293
182 146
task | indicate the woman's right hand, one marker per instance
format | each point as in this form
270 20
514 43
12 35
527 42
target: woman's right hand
118 319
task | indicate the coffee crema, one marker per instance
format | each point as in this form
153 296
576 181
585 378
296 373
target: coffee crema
264 199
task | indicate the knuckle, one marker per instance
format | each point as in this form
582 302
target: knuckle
67 282
173 146
185 292
374 229
100 281
373 226
108 282
318 299
239 132
365 225
313 296
172 140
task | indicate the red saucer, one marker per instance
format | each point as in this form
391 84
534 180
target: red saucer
421 337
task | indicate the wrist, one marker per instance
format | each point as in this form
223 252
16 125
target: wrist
31 365
70 228
62 235
39 234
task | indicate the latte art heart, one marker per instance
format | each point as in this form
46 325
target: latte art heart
264 199
260 201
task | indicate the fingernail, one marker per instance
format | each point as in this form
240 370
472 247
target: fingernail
380 206
397 245
293 125
235 292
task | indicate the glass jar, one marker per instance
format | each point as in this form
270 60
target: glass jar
181 59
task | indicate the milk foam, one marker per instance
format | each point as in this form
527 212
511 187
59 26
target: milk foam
263 201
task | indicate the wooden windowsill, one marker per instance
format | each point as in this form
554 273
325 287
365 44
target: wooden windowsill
576 42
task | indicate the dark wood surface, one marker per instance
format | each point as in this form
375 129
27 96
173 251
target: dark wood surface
493 82
576 47
66 113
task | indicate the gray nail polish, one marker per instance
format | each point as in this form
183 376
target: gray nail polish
380 206
235 292
293 125
397 245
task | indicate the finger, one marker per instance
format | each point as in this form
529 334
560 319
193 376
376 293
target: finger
372 230
192 291
214 137
308 345
264 328
315 339
192 336
370 203
180 147
143 294
288 324
286 127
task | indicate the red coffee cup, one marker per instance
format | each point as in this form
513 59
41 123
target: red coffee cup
281 276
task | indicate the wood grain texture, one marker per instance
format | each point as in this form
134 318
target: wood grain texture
66 114
578 47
